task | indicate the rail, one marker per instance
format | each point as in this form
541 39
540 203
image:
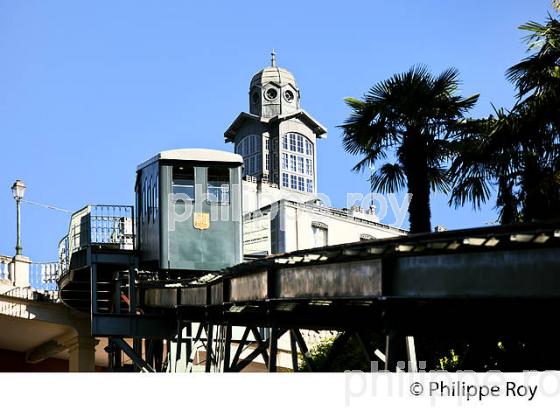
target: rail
111 226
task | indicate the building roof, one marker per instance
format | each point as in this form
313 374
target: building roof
194 154
302 115
276 75
273 73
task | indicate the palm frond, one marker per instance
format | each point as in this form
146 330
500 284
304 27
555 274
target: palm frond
389 178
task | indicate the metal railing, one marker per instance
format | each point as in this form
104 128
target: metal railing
111 226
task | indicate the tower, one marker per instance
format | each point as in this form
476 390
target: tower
277 138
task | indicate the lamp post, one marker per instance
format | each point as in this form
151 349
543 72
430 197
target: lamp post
18 189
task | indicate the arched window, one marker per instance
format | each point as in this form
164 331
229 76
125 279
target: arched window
250 148
297 162
155 198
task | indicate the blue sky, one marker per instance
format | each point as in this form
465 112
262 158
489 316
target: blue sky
88 90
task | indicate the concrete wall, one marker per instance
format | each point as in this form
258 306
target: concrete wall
298 222
288 226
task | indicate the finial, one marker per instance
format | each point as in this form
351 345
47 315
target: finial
273 58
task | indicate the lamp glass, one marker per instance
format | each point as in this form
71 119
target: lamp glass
18 189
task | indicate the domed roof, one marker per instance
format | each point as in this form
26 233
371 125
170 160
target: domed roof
273 73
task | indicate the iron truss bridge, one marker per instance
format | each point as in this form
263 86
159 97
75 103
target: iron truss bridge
499 280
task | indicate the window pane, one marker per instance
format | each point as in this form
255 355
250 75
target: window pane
301 186
149 202
293 182
300 165
144 199
218 184
285 142
299 143
308 166
309 185
292 142
292 163
284 161
285 180
183 180
155 200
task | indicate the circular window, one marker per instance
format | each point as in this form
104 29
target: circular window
255 97
271 93
288 95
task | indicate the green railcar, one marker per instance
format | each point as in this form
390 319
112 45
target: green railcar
189 211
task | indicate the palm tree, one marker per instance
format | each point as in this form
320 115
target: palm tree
413 116
537 79
519 150
485 156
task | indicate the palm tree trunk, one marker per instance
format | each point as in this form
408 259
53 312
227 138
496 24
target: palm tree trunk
507 201
415 163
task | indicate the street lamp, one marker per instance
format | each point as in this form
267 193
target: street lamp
18 189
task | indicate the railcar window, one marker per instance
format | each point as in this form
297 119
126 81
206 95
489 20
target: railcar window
155 200
150 203
218 185
183 181
145 200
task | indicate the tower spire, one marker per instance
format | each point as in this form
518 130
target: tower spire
273 58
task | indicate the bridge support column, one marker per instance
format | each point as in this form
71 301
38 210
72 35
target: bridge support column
82 353
19 271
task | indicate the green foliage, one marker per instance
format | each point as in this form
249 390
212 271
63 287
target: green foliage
449 362
350 357
475 353
413 116
518 150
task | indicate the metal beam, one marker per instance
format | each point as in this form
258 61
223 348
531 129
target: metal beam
259 340
209 347
293 348
227 348
394 352
251 356
412 364
240 347
274 334
126 325
336 347
132 354
304 350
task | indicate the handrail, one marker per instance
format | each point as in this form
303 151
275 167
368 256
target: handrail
105 225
